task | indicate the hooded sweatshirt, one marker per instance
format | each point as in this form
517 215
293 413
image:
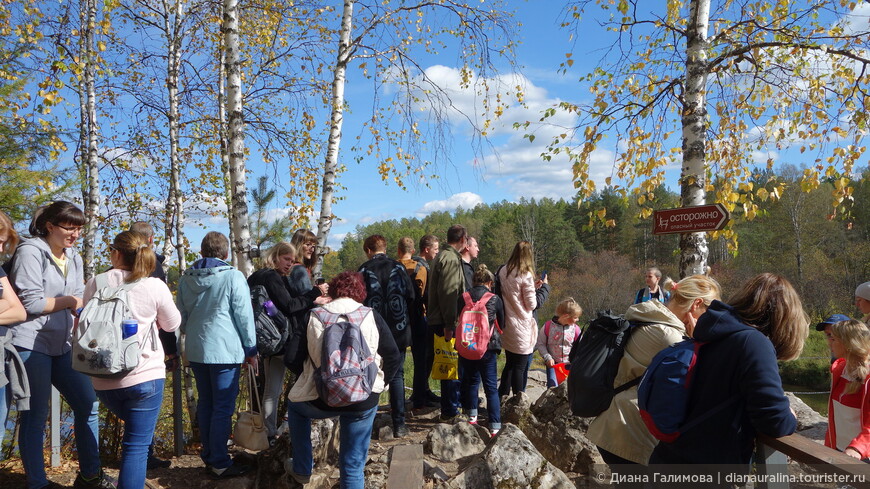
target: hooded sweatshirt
736 361
620 429
36 277
216 313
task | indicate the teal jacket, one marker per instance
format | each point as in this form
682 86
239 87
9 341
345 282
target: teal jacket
216 313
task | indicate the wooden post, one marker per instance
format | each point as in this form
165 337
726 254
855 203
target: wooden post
55 427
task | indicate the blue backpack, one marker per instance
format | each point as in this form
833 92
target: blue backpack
663 394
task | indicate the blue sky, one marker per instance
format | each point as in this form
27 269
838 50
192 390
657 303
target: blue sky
513 171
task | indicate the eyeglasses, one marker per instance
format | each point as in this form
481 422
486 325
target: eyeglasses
309 245
76 229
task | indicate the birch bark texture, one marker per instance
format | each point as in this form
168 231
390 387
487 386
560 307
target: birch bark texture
236 137
330 165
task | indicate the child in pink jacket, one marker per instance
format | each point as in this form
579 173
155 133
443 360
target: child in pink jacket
557 336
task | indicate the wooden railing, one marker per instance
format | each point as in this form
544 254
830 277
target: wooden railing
772 463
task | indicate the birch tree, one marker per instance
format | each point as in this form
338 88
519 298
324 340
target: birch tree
772 76
236 137
88 131
381 37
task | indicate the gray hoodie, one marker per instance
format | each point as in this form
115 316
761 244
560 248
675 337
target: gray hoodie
35 277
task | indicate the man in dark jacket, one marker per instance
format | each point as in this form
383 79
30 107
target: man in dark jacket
446 285
389 291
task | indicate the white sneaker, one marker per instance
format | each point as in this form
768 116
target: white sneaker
472 420
492 433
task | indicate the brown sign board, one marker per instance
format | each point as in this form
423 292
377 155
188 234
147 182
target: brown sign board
699 218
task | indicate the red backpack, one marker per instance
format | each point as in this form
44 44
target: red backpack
472 330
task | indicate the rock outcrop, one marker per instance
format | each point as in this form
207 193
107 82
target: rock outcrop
510 462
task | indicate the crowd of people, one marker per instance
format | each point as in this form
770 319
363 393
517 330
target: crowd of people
381 310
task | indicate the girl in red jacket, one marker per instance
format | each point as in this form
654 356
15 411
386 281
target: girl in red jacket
849 404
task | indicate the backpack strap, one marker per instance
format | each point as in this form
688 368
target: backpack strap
547 329
483 300
467 298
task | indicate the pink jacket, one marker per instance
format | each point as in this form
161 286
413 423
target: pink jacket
151 304
557 344
518 294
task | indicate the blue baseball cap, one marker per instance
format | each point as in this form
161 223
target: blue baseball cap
836 318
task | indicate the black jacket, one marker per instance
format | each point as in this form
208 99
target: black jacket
494 309
295 309
737 364
392 301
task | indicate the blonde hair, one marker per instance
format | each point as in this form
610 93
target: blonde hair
856 340
482 276
270 259
770 304
8 230
684 292
136 254
569 306
521 260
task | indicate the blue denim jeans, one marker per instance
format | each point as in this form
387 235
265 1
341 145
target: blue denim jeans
4 411
218 387
475 371
355 433
138 407
551 377
397 394
43 371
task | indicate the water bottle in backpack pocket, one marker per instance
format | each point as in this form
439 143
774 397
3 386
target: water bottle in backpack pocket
105 340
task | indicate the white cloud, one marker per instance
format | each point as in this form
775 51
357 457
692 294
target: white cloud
516 165
465 200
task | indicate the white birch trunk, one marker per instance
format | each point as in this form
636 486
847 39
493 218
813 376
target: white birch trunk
172 27
324 222
223 135
693 246
92 193
239 217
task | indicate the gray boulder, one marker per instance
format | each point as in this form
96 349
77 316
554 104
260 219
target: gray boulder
559 435
452 442
510 462
810 423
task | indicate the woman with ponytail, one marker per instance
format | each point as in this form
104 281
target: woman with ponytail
849 404
136 397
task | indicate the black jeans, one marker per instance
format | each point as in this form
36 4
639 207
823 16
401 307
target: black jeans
422 349
513 373
397 393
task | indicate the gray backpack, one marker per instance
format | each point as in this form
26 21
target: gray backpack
98 346
347 370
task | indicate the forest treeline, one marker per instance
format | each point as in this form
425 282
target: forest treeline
797 235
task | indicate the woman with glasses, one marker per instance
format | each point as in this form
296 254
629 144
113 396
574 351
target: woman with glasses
299 284
48 275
